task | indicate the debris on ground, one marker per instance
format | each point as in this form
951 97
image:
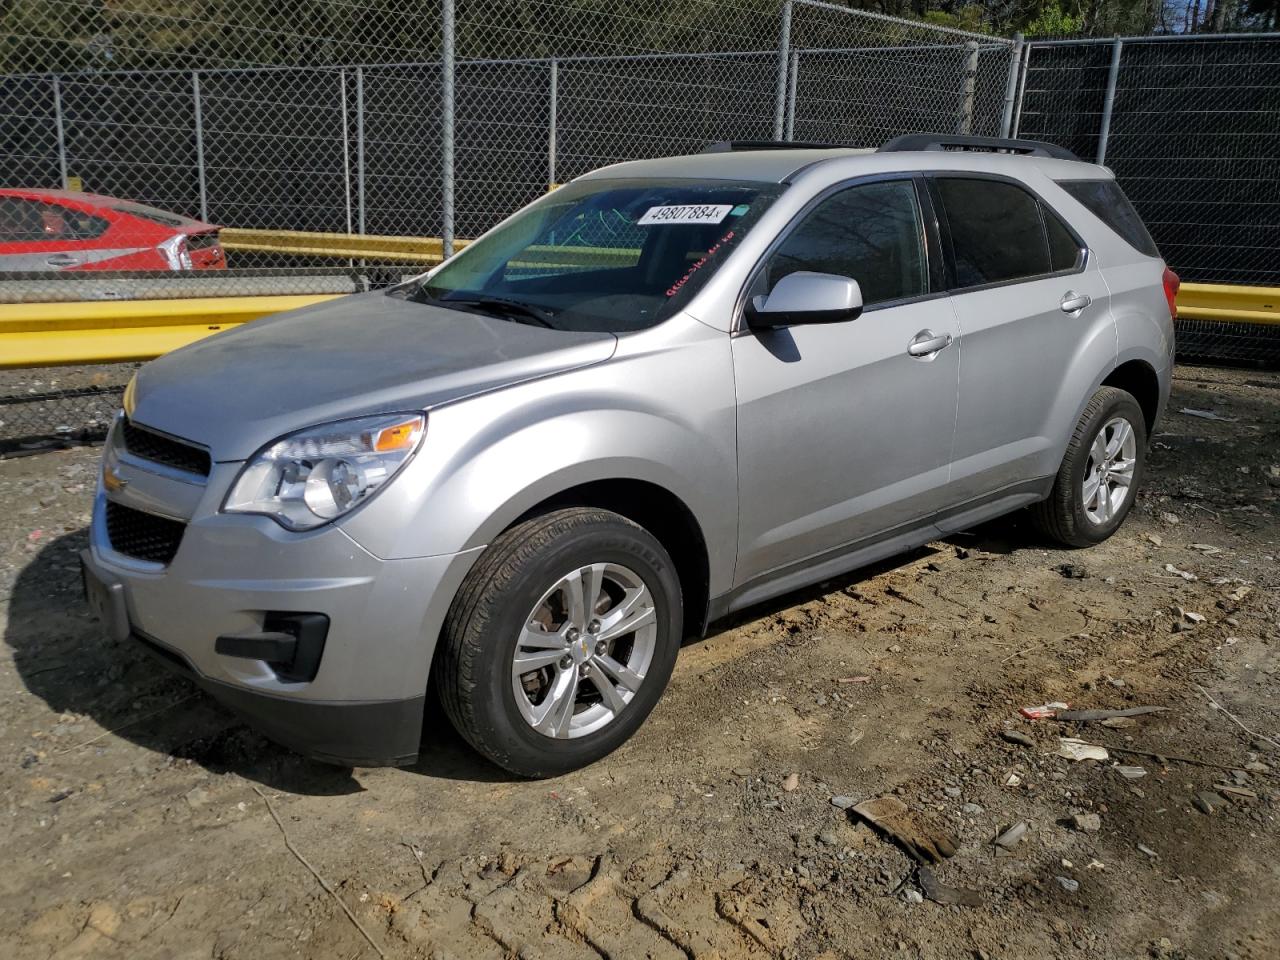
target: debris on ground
1130 772
892 818
1012 835
1086 822
791 783
1206 801
1233 791
1086 716
1208 415
939 892
1043 712
1073 748
1184 574
1067 884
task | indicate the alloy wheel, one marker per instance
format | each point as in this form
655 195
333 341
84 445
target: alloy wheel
584 650
1108 474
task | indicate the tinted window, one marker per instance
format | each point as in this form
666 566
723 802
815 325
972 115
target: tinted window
1064 251
21 221
67 224
870 232
1106 201
996 231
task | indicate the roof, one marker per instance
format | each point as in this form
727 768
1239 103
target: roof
778 166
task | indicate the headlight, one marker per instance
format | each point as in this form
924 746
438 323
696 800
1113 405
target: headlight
316 475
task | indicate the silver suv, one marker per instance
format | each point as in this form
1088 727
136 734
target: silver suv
668 390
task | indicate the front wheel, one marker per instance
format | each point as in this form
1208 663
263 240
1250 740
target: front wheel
1099 476
560 641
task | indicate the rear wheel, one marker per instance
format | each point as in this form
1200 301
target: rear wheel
560 641
1099 476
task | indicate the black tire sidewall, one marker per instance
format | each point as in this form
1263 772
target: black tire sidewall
1121 405
494 712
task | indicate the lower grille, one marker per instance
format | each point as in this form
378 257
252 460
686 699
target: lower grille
143 536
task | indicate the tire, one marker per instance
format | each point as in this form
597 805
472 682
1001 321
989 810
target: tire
519 598
1066 516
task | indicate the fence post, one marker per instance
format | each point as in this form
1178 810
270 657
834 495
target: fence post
1109 99
62 134
1011 87
346 143
446 127
792 84
1027 50
967 90
360 205
784 61
201 181
553 96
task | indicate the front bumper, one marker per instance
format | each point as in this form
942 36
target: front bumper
364 705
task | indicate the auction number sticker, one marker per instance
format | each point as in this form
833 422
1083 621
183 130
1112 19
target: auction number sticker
686 213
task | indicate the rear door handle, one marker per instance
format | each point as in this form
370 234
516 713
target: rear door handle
1073 302
926 343
62 260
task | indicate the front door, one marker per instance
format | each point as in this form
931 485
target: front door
845 429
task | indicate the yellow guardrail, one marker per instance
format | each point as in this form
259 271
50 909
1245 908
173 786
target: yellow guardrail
344 246
112 331
1229 304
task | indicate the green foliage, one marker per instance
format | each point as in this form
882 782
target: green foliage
1053 21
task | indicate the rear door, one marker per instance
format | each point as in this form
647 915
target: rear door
843 433
1028 302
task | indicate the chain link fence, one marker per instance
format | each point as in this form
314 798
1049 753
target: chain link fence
1191 127
391 118
1192 130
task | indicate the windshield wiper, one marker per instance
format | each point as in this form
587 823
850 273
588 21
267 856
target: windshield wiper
508 309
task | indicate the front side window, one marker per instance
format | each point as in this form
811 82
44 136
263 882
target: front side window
996 231
600 255
871 233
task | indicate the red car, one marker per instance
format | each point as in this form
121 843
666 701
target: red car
64 230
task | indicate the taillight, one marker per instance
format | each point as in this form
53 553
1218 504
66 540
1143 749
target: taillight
1171 285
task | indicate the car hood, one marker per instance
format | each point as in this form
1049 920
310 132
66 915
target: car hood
368 353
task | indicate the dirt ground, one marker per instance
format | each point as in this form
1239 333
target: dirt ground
136 810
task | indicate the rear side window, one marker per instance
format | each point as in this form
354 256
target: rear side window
1106 201
996 231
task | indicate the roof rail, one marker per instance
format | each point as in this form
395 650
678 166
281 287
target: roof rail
736 146
946 142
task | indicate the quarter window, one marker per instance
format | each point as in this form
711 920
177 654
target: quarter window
1064 251
871 233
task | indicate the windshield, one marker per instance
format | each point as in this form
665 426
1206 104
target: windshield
600 255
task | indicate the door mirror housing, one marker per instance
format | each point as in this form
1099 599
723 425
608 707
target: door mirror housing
805 297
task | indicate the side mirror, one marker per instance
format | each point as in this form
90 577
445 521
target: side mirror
804 297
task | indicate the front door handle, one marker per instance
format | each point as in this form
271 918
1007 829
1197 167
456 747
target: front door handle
1073 302
62 260
926 343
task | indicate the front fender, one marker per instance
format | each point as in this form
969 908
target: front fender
662 411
